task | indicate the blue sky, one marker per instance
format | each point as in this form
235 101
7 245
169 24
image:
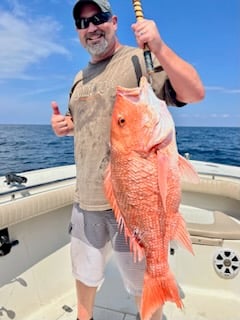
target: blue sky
40 54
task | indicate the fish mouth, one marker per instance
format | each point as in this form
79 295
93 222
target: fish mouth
162 143
156 142
161 134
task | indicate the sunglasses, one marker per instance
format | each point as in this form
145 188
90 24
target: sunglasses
97 19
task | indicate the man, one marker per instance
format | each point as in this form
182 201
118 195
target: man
93 227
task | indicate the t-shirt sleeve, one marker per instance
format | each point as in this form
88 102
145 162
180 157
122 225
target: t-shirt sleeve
163 87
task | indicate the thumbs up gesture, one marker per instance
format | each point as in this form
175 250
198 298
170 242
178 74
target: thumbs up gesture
55 108
61 125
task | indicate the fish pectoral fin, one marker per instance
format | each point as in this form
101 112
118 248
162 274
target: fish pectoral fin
187 171
163 168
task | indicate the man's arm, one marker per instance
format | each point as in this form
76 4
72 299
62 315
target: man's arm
182 75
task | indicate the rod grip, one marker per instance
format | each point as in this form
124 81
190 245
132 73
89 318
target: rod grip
138 9
147 53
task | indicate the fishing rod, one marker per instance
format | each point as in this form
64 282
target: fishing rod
147 53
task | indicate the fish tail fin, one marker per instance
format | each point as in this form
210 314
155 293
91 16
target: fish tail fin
182 235
156 291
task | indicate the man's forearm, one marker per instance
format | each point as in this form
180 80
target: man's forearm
183 77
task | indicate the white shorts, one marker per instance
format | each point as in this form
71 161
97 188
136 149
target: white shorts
94 236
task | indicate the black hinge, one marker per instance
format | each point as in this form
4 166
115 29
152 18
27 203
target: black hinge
5 243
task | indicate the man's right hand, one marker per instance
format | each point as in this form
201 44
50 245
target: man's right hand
61 125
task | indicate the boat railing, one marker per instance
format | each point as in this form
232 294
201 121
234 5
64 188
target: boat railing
213 176
22 187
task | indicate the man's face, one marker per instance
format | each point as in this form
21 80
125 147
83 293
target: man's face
97 39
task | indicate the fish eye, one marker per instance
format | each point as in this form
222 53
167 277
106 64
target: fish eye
121 121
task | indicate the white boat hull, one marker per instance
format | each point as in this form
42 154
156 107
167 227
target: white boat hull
35 277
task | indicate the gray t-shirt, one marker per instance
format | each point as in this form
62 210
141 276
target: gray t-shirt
91 105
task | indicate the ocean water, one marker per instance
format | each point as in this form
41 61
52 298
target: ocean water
29 147
213 144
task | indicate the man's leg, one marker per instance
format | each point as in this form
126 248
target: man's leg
85 300
89 252
132 272
156 316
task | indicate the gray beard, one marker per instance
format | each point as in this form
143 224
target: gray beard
97 49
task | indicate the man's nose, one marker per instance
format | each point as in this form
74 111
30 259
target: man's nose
92 27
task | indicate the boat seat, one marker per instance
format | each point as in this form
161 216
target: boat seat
223 227
35 204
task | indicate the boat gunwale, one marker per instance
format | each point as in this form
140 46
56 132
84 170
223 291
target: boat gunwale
20 188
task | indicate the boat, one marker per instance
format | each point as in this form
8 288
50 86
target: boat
35 270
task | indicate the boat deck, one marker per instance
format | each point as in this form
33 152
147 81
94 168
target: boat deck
113 303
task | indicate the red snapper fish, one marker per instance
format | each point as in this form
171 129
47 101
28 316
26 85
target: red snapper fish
143 186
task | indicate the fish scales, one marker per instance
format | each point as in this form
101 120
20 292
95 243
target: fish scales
143 186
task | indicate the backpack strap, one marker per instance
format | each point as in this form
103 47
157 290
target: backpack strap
76 82
137 68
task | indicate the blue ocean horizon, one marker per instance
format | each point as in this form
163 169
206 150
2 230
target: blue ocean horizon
31 147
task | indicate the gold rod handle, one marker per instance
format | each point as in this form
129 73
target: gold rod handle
147 53
138 9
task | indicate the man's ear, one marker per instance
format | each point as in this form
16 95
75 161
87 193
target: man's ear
115 21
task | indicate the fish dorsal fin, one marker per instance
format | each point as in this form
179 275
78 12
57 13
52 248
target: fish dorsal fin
138 251
187 171
163 168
